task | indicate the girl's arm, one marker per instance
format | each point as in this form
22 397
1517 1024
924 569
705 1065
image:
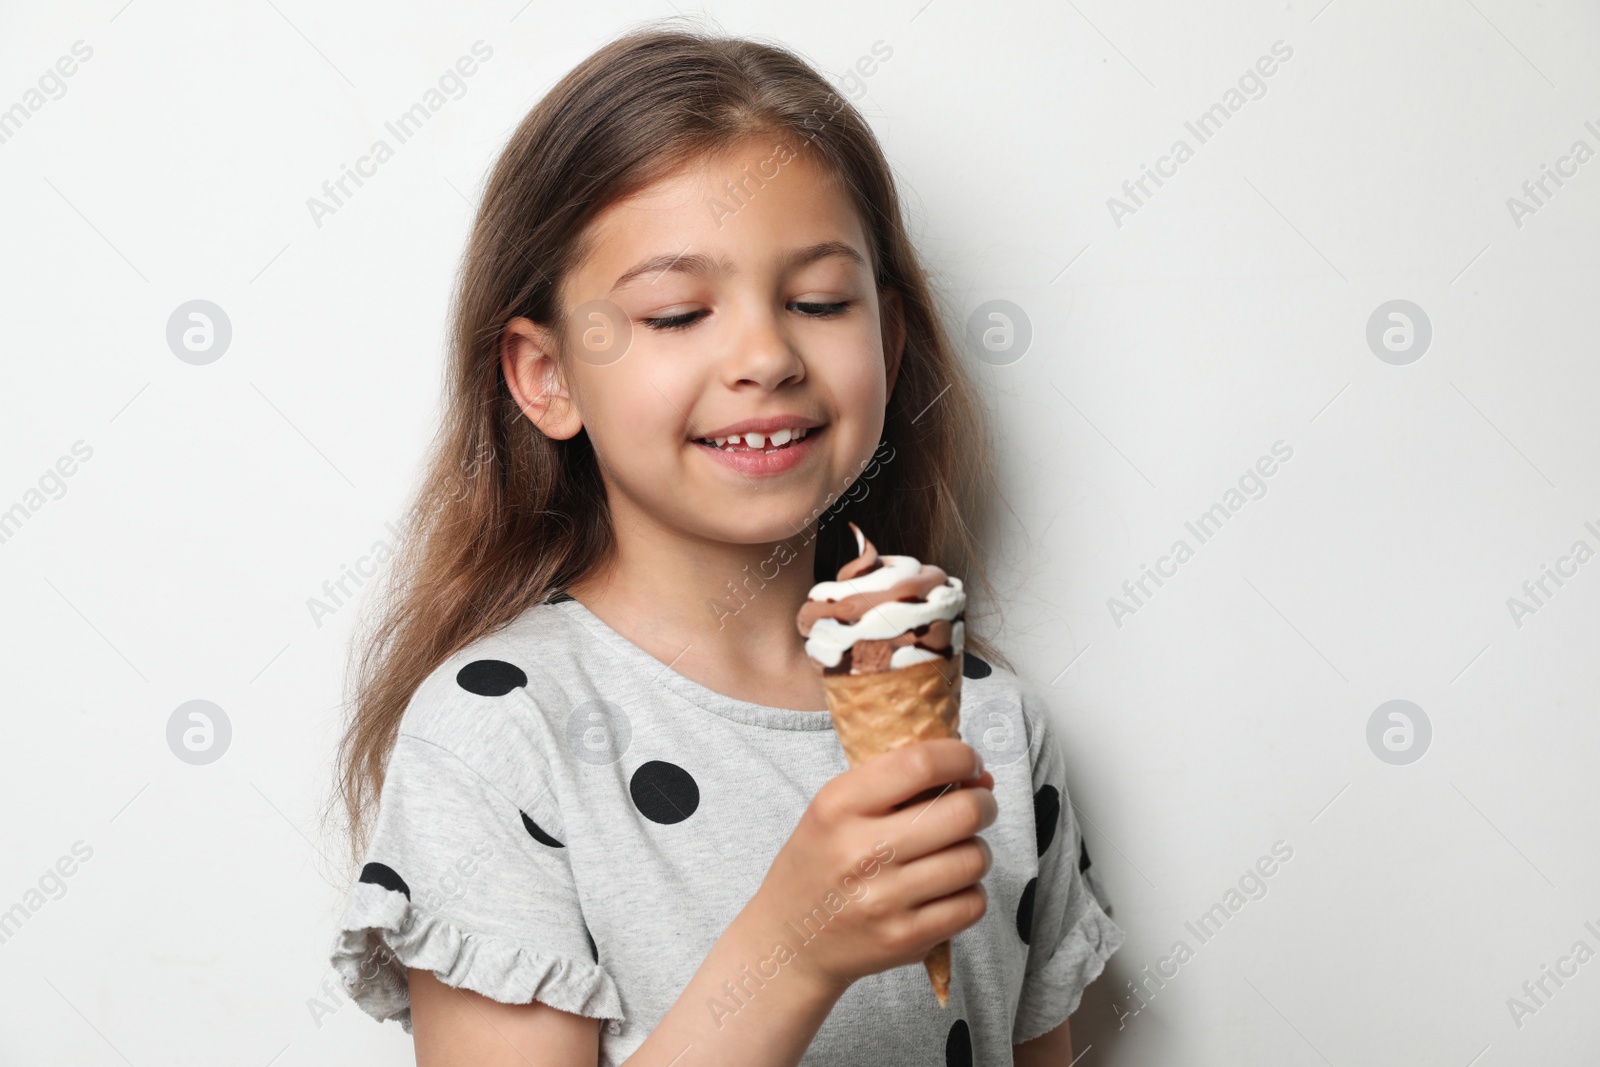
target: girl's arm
776 1024
927 890
1047 1050
460 1028
454 1026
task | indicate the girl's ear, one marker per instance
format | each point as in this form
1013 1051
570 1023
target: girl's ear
894 337
528 361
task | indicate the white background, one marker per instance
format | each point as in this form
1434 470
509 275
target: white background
1228 312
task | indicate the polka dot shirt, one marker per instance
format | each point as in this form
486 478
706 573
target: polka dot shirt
566 819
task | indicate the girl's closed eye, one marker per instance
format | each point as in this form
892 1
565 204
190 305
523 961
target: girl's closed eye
820 310
808 308
673 322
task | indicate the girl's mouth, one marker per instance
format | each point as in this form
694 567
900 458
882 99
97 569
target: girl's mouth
770 453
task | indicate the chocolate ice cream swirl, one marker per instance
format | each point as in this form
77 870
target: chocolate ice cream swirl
883 612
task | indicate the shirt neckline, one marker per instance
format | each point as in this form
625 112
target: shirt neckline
688 689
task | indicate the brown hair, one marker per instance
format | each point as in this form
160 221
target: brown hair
505 515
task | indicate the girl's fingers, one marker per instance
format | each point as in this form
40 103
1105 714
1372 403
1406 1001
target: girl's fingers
941 919
949 870
954 815
893 777
984 780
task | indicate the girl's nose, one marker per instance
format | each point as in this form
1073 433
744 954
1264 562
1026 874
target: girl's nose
759 351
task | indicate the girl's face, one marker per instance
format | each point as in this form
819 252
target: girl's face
734 296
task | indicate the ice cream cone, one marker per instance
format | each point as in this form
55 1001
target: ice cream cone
887 637
876 712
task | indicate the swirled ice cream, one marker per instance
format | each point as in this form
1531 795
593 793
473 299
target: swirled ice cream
883 612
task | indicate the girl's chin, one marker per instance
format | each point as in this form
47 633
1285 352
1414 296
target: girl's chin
747 518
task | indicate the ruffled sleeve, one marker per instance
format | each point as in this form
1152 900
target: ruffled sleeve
1071 935
469 883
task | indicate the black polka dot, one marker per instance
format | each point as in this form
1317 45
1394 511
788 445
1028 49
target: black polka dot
490 677
973 667
1083 855
538 834
384 875
1025 910
664 792
958 1046
1046 813
594 949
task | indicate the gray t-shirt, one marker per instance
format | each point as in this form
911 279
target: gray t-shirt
567 819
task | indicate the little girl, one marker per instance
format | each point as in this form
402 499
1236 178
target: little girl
613 822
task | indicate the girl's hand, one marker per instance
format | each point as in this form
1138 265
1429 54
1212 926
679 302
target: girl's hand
875 886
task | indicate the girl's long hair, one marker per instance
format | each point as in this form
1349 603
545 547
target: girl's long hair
505 515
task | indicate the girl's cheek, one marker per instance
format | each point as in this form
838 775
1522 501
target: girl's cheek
646 405
862 386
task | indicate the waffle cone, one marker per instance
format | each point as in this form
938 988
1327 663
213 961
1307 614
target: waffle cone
882 710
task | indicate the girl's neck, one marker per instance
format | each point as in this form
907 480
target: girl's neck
721 614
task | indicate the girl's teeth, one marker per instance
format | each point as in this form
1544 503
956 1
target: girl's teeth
777 439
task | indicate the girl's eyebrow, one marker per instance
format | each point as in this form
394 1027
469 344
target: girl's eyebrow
700 264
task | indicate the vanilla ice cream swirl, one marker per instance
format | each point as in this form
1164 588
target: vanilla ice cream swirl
883 612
